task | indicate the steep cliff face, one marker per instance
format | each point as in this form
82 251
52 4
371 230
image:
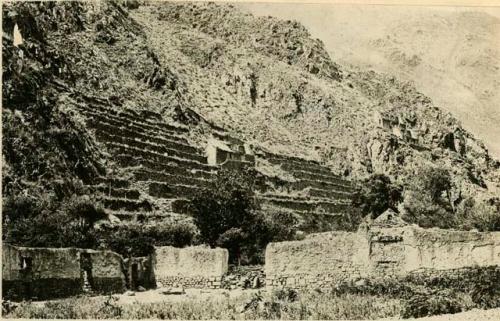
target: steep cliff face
263 80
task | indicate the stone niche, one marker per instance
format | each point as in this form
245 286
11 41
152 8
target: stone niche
190 267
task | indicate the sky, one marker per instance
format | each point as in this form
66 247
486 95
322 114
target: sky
325 21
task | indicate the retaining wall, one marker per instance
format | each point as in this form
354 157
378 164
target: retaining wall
190 267
326 259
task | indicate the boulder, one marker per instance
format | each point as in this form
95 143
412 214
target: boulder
175 291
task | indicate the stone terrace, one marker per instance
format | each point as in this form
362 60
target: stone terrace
319 196
159 170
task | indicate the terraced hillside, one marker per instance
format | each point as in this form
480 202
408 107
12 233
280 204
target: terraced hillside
160 170
124 100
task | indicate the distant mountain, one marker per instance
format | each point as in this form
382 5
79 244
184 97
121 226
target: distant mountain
450 53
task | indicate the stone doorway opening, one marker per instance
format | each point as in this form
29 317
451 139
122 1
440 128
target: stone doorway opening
86 272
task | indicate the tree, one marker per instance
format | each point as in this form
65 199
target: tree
434 181
376 194
226 214
476 214
424 203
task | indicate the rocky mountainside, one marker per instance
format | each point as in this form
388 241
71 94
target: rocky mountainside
450 53
454 59
267 81
263 80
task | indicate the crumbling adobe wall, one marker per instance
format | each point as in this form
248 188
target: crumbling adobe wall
45 273
447 249
108 272
53 273
191 267
317 261
329 258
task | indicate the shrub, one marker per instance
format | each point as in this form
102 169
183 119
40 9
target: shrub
431 303
419 208
485 292
128 240
376 194
282 226
426 201
226 214
172 234
480 215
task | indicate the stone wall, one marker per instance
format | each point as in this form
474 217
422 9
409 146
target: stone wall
244 277
44 273
325 259
108 271
318 260
446 249
191 267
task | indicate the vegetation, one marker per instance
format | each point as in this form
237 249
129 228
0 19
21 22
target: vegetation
312 305
408 297
478 214
376 194
428 203
137 239
227 215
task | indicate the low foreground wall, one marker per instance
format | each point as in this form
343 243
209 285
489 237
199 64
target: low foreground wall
324 259
44 273
191 267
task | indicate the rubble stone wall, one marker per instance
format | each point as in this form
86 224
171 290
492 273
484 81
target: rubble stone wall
329 258
317 261
108 272
244 277
190 267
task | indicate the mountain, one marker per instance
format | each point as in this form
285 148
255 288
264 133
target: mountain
117 93
451 54
268 81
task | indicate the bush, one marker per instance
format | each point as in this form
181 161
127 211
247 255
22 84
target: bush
420 209
137 239
226 214
427 201
480 215
485 292
282 226
169 234
128 240
376 194
431 303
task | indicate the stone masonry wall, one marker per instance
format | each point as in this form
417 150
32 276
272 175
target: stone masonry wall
325 259
317 261
191 267
108 272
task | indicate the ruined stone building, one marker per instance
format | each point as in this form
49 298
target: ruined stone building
45 273
386 248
